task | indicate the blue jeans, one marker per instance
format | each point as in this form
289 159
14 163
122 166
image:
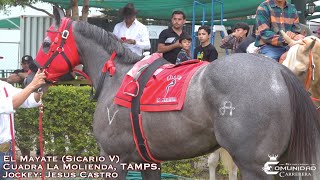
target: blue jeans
273 52
2 171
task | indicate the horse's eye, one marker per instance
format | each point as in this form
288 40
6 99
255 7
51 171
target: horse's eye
46 45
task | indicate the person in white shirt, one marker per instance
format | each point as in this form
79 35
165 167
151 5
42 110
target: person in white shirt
12 98
131 32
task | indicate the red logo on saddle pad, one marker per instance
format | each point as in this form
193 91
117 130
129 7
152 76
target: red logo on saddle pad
164 91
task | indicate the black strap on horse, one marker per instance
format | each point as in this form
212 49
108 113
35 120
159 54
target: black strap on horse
135 109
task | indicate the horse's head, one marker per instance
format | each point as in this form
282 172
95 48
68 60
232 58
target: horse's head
303 60
58 53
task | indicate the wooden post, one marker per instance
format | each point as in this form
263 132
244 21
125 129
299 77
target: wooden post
85 10
75 10
301 7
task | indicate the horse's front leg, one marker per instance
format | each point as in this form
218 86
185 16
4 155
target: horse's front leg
151 173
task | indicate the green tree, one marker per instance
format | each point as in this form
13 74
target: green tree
5 4
70 12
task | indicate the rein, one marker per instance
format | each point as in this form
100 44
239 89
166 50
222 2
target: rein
13 141
41 107
310 76
55 50
310 73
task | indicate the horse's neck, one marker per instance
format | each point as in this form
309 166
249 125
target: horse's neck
94 59
95 47
94 71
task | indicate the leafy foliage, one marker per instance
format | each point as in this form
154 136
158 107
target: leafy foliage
67 123
186 167
6 4
222 170
10 3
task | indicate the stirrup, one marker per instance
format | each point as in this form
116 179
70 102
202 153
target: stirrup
127 90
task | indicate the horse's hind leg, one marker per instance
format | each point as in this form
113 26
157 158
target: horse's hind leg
213 161
151 174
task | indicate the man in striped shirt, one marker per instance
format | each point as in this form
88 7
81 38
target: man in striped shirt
272 17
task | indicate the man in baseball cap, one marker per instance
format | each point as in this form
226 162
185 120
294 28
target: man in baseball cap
317 32
26 59
18 75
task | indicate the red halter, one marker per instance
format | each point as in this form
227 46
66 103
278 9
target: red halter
63 54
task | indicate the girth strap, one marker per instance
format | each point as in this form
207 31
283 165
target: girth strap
136 118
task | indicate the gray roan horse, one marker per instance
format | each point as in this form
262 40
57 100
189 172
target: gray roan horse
271 112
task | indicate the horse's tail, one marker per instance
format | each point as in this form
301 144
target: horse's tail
304 146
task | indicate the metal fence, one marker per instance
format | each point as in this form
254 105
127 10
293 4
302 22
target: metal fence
10 53
5 73
32 32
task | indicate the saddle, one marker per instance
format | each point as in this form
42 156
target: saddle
164 91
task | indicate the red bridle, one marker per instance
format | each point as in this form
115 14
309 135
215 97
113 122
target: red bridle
310 76
62 55
310 72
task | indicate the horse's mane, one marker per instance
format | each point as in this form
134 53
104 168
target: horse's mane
107 40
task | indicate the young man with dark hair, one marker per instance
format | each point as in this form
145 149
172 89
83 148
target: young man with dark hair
205 51
168 43
248 41
239 33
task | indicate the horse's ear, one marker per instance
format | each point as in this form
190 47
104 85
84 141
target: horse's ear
58 15
286 37
310 45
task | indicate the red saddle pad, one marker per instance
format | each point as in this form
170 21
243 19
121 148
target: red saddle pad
164 91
